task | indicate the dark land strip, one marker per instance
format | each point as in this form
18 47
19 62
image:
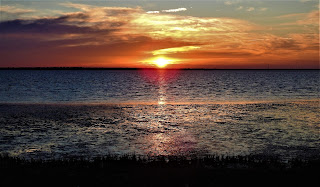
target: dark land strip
132 170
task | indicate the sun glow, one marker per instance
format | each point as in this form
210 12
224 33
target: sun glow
161 62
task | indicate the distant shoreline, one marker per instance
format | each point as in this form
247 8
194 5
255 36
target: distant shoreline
96 68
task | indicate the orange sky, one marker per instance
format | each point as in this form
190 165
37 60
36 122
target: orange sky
90 35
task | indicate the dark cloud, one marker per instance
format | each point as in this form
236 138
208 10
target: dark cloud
39 26
52 41
60 25
289 44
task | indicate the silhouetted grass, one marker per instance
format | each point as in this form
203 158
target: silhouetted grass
133 170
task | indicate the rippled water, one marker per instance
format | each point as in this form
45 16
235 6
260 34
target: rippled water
54 114
45 131
31 86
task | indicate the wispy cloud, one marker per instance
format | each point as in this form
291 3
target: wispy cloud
232 2
249 9
263 9
153 12
228 3
174 10
311 18
174 50
15 10
239 8
169 10
292 15
83 7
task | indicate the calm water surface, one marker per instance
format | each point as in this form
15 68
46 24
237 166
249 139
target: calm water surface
45 114
32 86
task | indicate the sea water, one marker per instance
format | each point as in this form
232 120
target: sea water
57 114
126 86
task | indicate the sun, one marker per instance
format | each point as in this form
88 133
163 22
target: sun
161 62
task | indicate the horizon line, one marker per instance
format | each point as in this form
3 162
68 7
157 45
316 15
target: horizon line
104 68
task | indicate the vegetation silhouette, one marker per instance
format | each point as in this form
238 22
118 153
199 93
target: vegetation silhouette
134 170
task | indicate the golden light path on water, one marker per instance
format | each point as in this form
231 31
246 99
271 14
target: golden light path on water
170 141
162 91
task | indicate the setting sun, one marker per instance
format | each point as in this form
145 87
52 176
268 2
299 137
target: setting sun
161 62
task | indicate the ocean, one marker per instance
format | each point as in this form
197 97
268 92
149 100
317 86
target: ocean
151 86
88 113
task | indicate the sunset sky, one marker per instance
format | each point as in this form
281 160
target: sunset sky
173 34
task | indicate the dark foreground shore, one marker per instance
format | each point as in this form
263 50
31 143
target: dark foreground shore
254 170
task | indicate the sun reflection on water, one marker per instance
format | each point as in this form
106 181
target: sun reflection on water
162 80
179 142
167 137
162 92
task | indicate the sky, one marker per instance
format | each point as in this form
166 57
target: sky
216 34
